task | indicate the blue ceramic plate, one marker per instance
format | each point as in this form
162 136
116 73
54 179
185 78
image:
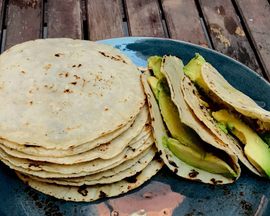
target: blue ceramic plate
164 194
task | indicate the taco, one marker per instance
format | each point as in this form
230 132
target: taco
230 114
185 144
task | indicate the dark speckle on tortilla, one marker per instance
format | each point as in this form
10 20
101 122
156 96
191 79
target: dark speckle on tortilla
82 190
173 163
193 174
102 194
215 181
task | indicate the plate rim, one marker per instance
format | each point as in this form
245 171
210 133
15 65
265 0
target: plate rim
135 38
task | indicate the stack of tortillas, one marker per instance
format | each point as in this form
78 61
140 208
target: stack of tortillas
73 119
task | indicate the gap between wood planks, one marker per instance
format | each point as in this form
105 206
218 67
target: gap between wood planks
250 40
85 24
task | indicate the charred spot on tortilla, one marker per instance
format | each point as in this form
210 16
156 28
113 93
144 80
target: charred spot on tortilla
193 174
102 194
167 156
28 145
73 83
214 181
132 179
33 165
67 91
173 163
175 170
82 190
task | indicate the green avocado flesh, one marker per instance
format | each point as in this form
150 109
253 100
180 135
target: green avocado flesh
178 130
210 163
256 150
193 71
153 81
154 63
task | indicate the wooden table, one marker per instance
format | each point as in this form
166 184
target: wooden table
237 28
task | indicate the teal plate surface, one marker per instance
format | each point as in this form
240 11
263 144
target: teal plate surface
165 193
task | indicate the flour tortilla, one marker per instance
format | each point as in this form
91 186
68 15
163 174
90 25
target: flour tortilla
64 93
140 128
191 96
111 171
47 170
174 163
88 180
43 152
227 93
91 193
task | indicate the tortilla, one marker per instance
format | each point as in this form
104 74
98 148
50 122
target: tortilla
91 193
90 180
111 171
108 150
191 96
64 92
43 152
174 163
227 93
48 170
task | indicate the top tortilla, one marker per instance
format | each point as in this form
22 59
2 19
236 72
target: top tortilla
61 93
241 102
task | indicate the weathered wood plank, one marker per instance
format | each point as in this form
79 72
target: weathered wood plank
227 32
65 19
183 21
144 18
2 7
24 21
104 19
256 16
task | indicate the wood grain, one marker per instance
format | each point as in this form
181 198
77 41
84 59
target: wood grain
144 18
65 19
183 21
2 6
24 21
227 32
104 19
256 16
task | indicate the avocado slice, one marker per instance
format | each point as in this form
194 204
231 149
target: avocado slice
256 150
154 63
153 81
178 130
210 163
193 71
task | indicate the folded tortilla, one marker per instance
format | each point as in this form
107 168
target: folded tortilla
172 67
